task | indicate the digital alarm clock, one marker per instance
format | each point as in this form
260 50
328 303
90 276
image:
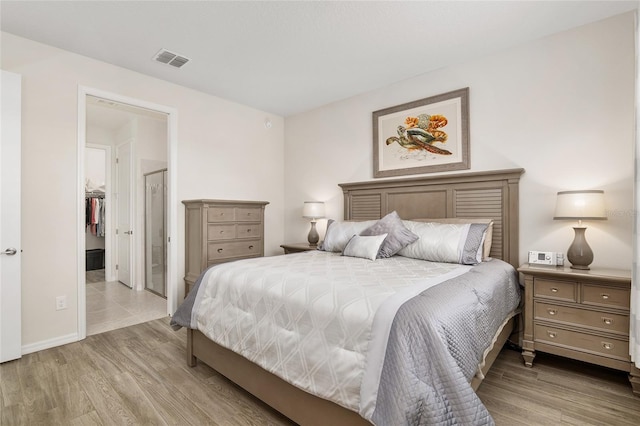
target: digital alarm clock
550 258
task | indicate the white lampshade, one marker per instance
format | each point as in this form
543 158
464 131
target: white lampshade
313 209
580 205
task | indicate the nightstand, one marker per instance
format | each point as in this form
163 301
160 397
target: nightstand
583 315
297 247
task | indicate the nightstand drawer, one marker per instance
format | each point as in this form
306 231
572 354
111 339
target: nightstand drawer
606 296
553 289
582 317
605 346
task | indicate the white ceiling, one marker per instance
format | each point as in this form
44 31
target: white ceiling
289 57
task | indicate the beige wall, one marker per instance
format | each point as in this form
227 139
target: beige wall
224 151
561 107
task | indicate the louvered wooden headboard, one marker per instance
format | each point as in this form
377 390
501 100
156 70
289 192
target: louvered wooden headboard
492 194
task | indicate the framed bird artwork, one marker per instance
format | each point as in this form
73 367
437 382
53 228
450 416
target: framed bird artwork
424 136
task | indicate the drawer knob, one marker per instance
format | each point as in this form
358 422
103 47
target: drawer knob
248 230
250 247
552 334
607 346
607 321
219 250
552 311
554 290
605 296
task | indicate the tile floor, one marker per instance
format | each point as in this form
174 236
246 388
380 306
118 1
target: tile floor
112 305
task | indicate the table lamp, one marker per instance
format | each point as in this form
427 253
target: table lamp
580 205
313 210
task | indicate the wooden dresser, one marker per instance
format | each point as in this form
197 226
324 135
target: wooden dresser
578 314
219 231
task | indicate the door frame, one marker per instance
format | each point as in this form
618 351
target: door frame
172 203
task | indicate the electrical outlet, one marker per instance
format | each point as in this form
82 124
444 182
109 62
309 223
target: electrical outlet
61 302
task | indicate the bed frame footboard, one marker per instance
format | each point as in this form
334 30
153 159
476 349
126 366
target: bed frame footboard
298 405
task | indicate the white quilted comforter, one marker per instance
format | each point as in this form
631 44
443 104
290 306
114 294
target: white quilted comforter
308 317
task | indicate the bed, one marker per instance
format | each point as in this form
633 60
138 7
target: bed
362 387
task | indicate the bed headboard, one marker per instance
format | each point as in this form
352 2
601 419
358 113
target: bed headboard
491 194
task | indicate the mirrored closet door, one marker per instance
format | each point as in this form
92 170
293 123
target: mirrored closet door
155 234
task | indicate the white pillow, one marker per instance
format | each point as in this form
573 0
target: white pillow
488 238
451 242
339 233
366 247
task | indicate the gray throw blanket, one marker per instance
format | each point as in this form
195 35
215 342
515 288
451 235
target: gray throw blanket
434 349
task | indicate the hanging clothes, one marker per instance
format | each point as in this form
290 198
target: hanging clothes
95 215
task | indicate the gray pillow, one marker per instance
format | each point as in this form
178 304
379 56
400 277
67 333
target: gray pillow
398 236
472 251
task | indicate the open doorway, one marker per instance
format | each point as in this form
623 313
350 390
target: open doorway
133 139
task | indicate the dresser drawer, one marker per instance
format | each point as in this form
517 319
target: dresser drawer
553 289
233 231
248 214
249 230
221 214
221 232
582 317
218 251
605 346
614 297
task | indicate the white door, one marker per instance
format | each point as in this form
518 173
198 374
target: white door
10 288
124 225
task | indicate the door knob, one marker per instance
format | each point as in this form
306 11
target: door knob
10 251
128 232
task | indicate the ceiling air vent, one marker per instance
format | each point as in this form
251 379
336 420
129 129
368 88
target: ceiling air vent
170 58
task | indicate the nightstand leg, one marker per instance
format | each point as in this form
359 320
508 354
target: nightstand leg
528 353
634 379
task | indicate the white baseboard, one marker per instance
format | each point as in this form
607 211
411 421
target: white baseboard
50 343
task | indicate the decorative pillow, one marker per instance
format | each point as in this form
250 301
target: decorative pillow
364 247
398 235
339 233
488 239
446 242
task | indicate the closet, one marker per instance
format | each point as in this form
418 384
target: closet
155 238
95 209
95 212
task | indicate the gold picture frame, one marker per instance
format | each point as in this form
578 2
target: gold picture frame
425 136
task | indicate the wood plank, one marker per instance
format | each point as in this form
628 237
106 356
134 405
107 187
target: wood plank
135 399
138 375
108 404
89 419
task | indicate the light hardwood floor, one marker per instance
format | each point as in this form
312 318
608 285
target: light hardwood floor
138 375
